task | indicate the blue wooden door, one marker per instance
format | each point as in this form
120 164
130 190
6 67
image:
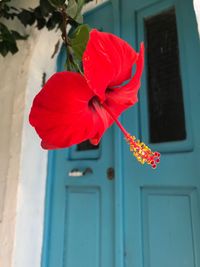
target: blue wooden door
161 207
80 194
136 216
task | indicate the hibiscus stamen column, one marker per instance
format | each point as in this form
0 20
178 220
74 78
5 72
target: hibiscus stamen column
141 151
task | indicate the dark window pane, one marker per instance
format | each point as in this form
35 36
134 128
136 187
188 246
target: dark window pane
166 109
86 145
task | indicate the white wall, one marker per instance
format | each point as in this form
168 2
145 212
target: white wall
32 177
197 10
13 80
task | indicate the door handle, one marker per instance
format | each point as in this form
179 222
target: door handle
79 173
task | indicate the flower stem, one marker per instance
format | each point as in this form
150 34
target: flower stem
116 120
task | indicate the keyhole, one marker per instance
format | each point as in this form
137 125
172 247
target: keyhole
110 173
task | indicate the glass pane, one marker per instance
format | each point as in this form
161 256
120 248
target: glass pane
165 97
86 145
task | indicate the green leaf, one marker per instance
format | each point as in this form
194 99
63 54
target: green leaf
3 49
57 3
3 29
46 7
69 66
79 18
12 46
26 17
7 11
41 22
79 40
8 42
54 20
5 34
5 1
18 36
80 5
72 8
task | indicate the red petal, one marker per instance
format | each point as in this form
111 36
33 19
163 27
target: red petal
61 114
121 98
126 96
106 121
107 61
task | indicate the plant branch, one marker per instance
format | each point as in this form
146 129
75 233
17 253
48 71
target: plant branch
64 26
64 33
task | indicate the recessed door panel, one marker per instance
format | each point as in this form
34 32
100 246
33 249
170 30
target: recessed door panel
168 220
82 240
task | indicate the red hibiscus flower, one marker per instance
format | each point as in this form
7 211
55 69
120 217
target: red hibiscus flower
72 108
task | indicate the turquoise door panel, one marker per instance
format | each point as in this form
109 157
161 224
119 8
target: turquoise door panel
81 212
82 241
161 207
80 209
139 217
168 221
